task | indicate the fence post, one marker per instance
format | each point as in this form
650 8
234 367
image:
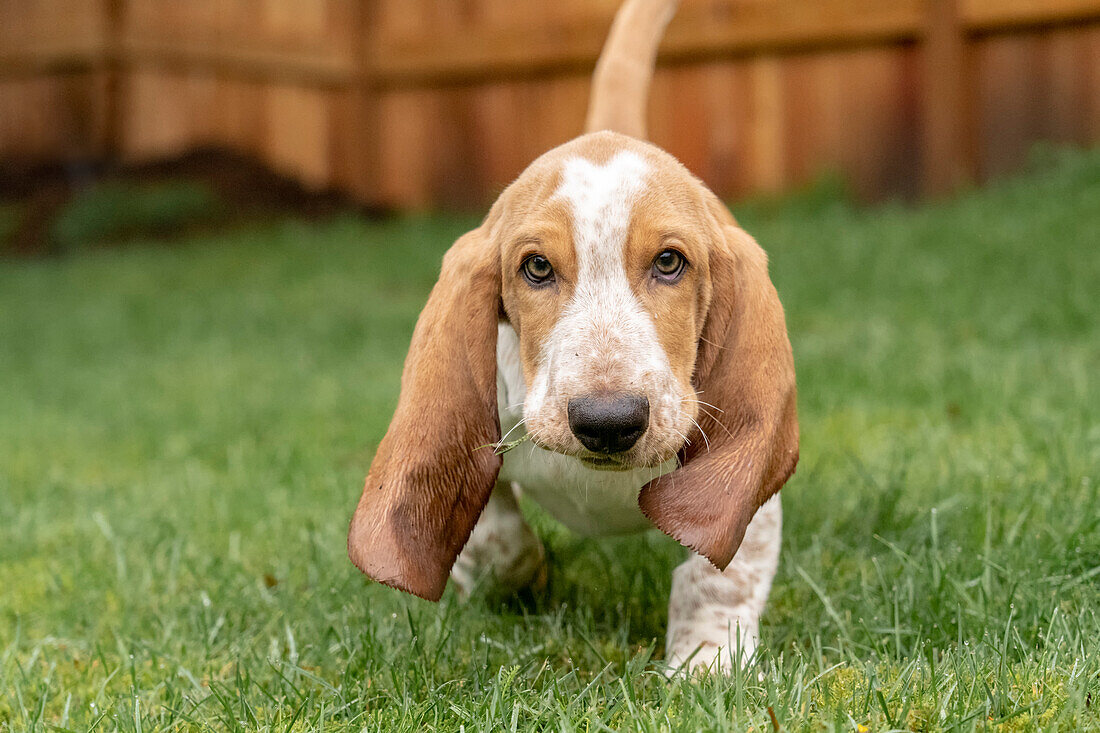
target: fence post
113 82
363 136
947 147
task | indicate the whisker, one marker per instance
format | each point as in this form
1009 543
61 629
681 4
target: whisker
718 422
535 437
505 436
717 346
685 438
701 432
707 412
700 402
706 440
721 425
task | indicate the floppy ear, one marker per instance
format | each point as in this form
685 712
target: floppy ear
433 473
745 369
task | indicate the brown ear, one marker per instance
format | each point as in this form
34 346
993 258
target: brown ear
432 473
744 368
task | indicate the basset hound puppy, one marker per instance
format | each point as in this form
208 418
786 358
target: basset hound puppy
611 309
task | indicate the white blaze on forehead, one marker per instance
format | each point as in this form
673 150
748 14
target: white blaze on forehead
601 199
604 310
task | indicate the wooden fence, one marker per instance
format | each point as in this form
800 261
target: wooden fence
416 103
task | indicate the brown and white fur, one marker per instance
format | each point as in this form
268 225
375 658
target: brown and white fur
698 361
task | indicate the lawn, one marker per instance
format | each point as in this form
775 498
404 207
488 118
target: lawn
184 430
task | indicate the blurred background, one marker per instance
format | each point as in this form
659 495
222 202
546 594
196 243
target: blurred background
220 219
417 104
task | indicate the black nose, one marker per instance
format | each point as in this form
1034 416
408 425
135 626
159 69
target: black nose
608 423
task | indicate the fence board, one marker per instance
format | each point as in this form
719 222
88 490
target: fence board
298 130
40 29
948 150
995 15
455 53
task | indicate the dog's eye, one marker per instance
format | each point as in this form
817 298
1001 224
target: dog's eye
538 270
669 266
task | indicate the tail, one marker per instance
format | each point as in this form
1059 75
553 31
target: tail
620 85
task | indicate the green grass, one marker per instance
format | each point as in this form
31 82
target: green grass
117 210
184 430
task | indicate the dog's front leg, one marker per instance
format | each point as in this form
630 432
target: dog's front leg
713 614
502 555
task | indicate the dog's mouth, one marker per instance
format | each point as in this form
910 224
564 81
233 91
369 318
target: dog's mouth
598 461
627 461
604 463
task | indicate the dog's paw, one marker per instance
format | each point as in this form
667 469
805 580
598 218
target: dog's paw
502 573
715 650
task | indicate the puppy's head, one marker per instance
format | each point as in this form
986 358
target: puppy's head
606 280
648 330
